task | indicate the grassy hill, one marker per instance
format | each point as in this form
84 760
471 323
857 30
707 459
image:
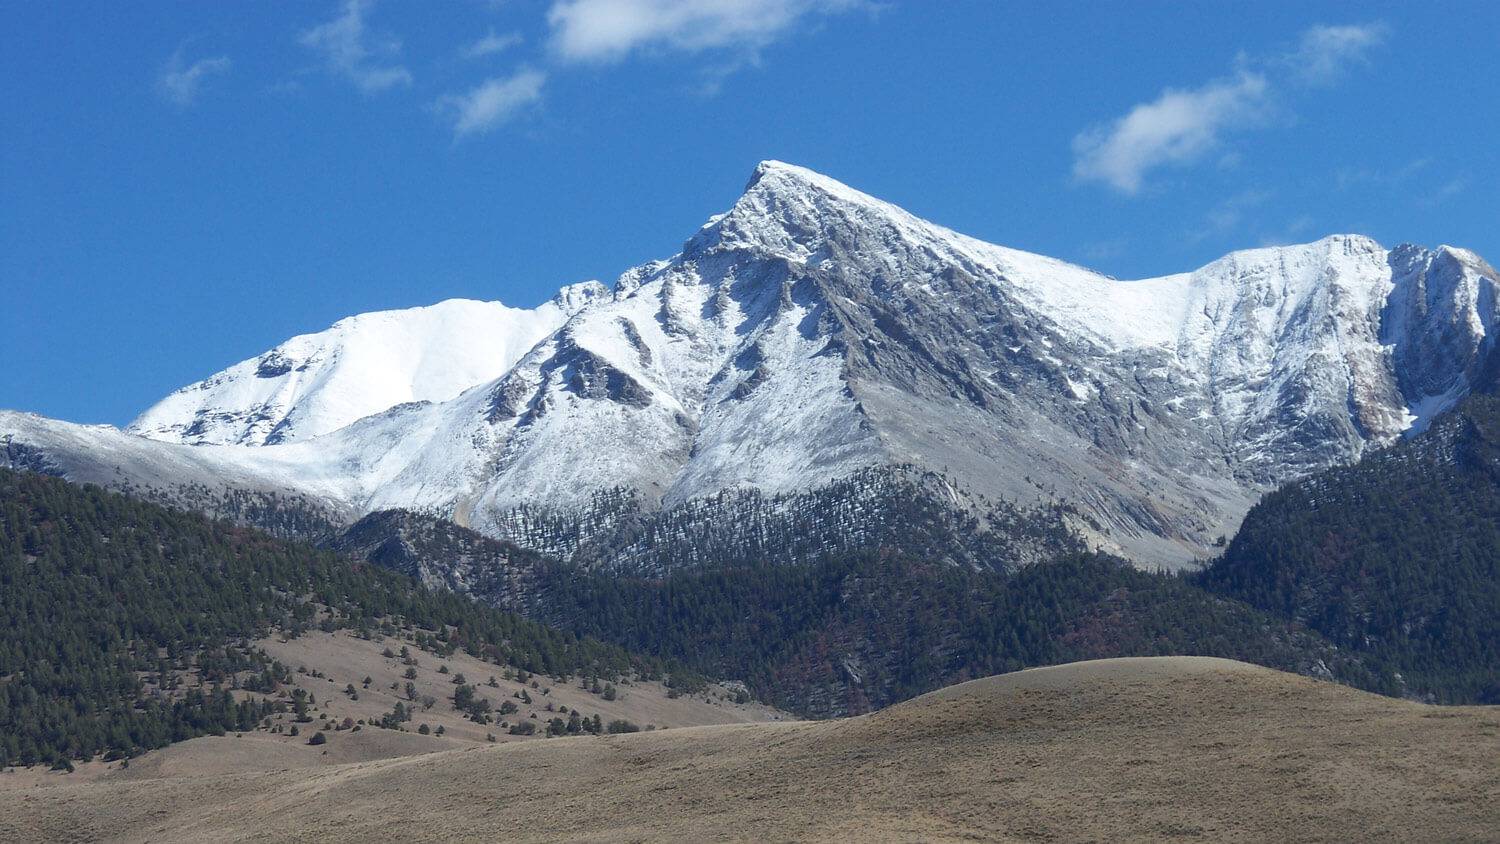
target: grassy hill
1138 749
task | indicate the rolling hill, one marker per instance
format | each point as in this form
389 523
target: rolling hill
1143 749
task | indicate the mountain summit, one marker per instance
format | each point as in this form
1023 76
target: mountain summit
813 334
316 383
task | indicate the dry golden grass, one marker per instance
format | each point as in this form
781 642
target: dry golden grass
346 659
342 659
1112 750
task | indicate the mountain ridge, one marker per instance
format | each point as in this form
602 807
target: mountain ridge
812 332
315 383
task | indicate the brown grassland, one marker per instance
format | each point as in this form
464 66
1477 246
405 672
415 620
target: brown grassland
1128 749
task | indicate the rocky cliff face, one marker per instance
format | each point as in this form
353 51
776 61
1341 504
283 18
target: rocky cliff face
812 334
1438 321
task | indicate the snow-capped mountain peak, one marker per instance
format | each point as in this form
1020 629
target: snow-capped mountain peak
813 333
316 383
575 297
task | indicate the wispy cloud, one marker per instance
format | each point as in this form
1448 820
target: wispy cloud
1229 213
1183 126
1352 177
493 102
180 84
1296 230
1176 128
609 30
491 44
351 51
1324 53
1445 192
1104 250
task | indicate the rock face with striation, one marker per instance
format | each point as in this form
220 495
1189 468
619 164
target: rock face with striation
813 333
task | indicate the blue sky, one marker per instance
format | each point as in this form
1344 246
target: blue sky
184 185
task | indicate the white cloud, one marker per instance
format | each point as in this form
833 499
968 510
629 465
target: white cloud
1325 51
493 102
1182 126
181 85
609 30
1179 127
356 54
491 44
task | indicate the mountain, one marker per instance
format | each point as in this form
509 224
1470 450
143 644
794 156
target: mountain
1396 558
860 632
125 625
813 334
316 383
856 630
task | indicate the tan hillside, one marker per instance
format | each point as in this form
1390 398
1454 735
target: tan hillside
1111 750
327 664
347 659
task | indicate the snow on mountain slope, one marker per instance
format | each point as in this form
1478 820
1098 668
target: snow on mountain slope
812 332
1440 320
316 383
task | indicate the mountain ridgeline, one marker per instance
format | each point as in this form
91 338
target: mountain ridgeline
814 339
831 450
